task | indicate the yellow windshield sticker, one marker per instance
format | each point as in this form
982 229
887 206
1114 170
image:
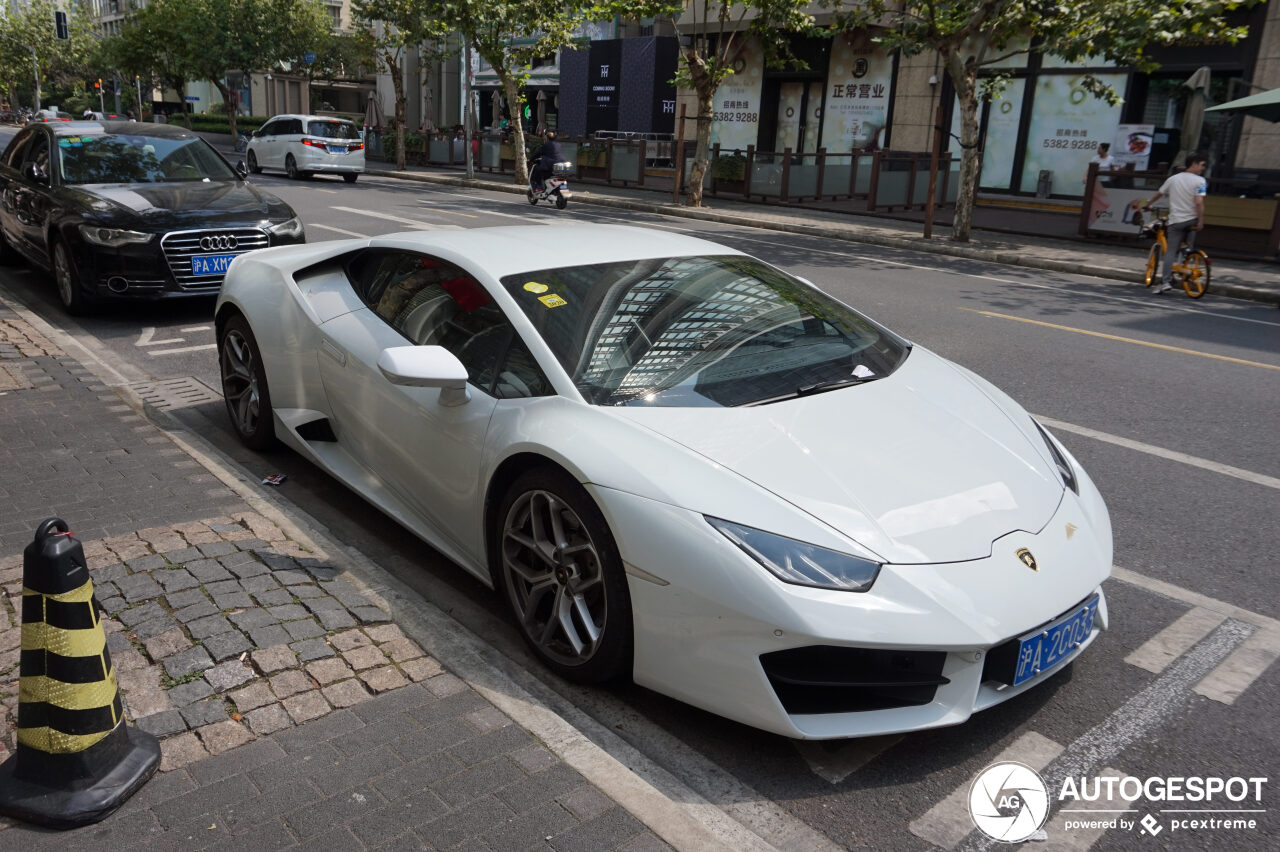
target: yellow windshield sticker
551 300
535 287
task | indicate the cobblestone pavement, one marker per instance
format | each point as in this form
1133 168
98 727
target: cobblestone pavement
290 709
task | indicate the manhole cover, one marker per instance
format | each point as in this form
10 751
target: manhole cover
176 393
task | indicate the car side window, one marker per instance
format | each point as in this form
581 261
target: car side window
268 129
292 127
434 303
38 152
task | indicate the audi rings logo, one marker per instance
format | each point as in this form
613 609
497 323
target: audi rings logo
1009 802
219 242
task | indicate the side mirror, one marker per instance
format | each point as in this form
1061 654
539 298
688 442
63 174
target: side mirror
35 173
426 367
242 170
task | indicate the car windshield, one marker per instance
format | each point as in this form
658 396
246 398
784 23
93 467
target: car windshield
126 158
699 332
332 129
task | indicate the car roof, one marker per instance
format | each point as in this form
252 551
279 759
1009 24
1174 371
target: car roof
305 117
132 128
511 249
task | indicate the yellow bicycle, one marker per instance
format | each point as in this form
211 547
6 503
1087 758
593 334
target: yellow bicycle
1191 268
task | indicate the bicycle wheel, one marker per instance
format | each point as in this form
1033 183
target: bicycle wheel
1153 264
1196 278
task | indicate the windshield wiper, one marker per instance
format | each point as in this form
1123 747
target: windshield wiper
823 387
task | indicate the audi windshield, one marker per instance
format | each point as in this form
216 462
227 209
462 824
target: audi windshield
700 331
126 158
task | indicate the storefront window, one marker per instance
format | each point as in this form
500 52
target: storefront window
859 88
1067 123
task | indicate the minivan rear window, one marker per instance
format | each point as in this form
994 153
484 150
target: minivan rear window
332 129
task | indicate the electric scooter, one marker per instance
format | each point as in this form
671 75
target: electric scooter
554 188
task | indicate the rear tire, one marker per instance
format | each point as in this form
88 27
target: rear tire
66 277
252 161
350 178
533 199
558 566
244 385
1153 264
291 169
1196 279
561 202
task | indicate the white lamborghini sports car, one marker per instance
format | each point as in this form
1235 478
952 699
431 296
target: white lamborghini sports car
681 465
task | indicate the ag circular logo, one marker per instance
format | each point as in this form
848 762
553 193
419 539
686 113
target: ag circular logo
1009 802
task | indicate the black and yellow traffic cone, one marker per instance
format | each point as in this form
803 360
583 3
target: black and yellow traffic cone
77 760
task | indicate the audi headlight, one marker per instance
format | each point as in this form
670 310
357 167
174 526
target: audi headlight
113 237
800 563
1065 470
291 228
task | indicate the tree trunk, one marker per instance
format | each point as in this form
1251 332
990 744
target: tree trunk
226 99
702 150
965 80
397 83
517 129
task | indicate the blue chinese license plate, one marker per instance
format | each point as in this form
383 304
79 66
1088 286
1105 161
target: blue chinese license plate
337 149
1048 646
211 264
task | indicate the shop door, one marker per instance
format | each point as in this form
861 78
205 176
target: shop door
799 117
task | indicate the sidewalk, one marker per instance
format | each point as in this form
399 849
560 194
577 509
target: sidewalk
1010 244
291 706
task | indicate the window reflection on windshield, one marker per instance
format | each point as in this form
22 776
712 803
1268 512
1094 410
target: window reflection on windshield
138 159
333 129
699 331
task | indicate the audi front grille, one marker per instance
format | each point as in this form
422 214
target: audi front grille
181 246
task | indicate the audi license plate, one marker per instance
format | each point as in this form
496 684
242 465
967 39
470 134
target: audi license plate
211 264
1041 651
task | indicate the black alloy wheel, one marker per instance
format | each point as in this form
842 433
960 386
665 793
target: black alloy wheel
244 385
66 278
254 168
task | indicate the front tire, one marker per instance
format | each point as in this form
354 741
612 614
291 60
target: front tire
559 568
66 277
350 178
252 161
244 385
1153 264
1196 279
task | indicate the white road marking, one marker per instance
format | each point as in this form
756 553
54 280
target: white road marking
182 349
836 760
194 328
1138 719
1160 650
523 217
1169 590
450 212
339 231
147 338
1245 665
1079 839
417 223
1172 455
948 822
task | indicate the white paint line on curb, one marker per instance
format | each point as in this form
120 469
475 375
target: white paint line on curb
1172 455
1160 650
948 822
108 374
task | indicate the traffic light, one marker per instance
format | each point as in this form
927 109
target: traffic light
60 28
98 85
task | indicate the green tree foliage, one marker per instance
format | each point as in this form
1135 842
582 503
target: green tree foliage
972 35
509 35
30 26
396 26
712 35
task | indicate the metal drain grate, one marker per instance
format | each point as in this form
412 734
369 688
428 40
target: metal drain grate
169 394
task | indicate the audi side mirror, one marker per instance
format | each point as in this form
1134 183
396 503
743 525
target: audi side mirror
242 170
35 173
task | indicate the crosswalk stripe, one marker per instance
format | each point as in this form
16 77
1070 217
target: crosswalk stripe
1081 838
948 822
1175 640
1239 670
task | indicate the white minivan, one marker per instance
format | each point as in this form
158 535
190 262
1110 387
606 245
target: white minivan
303 145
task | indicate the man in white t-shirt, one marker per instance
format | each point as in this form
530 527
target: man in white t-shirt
1186 191
1105 161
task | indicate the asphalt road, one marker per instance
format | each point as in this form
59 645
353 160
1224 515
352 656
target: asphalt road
1170 405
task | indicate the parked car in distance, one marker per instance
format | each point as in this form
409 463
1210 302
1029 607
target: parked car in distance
303 145
127 210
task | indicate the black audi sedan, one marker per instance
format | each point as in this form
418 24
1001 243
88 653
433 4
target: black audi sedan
126 210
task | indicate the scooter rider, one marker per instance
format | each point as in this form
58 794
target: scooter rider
544 161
